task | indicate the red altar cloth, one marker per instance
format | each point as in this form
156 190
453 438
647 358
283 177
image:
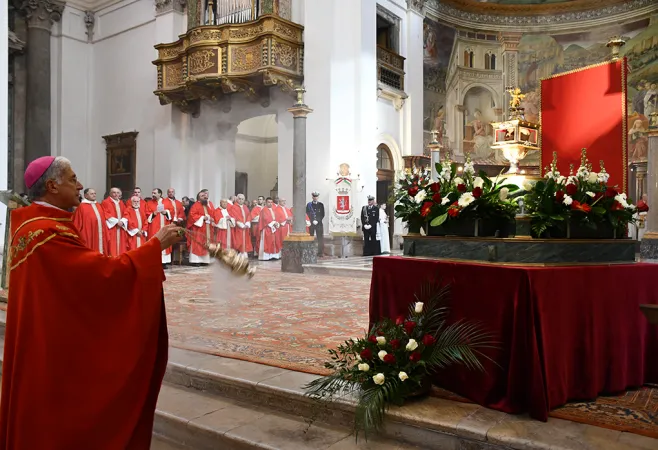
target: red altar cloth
565 333
586 109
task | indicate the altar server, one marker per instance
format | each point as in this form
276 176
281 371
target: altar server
89 219
369 221
116 224
201 223
269 244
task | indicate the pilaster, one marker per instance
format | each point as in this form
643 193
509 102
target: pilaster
510 43
413 139
649 245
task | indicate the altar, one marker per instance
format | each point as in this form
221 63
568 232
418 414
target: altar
564 332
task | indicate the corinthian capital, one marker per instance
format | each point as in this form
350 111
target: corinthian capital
163 6
42 13
416 5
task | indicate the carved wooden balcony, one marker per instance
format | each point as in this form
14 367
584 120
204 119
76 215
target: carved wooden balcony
212 61
390 68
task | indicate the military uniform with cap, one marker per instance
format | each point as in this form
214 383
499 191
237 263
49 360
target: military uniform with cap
369 221
315 212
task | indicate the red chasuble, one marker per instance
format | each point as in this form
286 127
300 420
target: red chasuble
242 234
177 210
117 239
225 224
200 228
89 219
284 217
268 239
156 220
136 222
84 354
255 223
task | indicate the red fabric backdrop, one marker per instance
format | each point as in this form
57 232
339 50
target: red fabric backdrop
586 109
565 333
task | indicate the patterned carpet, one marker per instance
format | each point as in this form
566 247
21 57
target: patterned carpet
279 319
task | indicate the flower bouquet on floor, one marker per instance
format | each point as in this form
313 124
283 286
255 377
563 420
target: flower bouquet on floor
393 362
562 206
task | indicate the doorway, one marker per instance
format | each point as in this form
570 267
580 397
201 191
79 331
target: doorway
385 179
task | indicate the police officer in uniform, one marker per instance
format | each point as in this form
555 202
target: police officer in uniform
369 221
315 212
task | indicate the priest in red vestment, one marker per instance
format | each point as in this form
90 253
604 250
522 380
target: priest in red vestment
137 192
643 204
176 207
255 222
117 239
284 217
158 216
89 219
240 212
137 227
269 244
224 224
84 356
201 224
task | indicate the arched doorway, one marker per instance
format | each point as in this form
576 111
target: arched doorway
385 179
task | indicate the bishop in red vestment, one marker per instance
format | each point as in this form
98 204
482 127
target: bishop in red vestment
158 217
84 357
201 224
117 239
240 212
224 224
89 219
269 244
137 224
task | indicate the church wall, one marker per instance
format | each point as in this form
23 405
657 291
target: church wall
539 55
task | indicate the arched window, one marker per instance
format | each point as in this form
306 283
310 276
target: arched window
493 62
487 61
470 60
466 58
384 159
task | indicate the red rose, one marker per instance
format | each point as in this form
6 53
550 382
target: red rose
413 191
559 196
477 192
395 344
453 212
428 340
435 187
366 354
436 198
572 189
610 192
414 357
389 359
426 209
461 187
399 320
372 339
409 326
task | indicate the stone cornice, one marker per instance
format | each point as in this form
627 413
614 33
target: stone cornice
41 13
541 23
163 6
416 5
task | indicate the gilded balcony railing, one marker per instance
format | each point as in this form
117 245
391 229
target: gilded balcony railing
390 68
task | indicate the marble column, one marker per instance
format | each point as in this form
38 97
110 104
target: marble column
40 15
649 245
299 248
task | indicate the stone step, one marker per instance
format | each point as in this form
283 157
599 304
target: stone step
338 271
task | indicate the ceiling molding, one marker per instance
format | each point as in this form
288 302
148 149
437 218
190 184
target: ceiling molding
91 5
567 21
521 9
257 139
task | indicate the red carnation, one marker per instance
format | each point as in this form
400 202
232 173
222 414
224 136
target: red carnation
372 339
413 191
436 198
572 189
399 320
426 209
477 192
366 354
428 340
395 344
610 192
453 212
559 196
414 357
409 326
389 359
461 187
435 187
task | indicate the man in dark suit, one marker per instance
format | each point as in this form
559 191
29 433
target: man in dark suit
369 221
315 212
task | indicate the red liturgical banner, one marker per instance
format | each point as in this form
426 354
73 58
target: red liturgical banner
586 108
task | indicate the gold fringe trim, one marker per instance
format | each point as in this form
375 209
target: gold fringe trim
580 69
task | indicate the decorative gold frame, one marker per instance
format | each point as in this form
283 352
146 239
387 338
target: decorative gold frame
209 62
624 101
